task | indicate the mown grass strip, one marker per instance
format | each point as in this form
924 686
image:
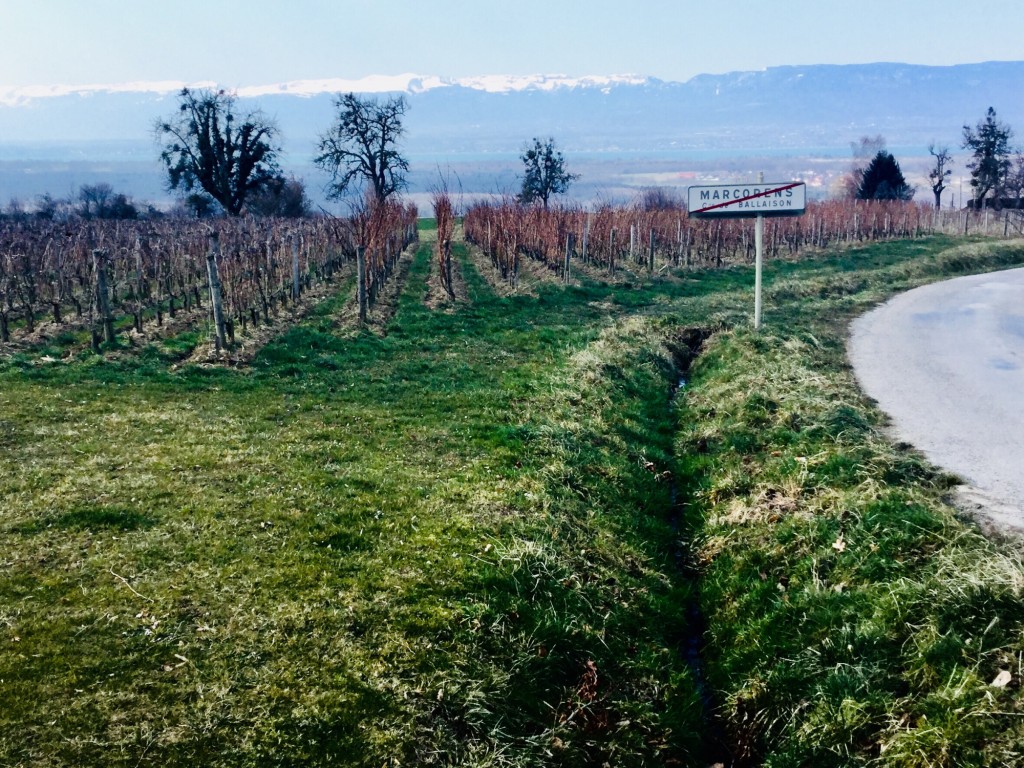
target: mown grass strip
434 546
853 618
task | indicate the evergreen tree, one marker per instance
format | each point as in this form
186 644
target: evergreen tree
989 143
883 180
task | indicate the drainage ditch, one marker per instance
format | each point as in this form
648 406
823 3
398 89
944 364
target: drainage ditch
686 347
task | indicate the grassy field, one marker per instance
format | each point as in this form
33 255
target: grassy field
494 534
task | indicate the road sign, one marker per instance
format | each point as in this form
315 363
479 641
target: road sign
755 201
788 198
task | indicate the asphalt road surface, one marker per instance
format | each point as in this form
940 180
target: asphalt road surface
946 362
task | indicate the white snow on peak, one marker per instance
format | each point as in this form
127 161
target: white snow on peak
373 84
506 83
412 83
14 96
19 95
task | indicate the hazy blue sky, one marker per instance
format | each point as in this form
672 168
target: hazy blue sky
250 42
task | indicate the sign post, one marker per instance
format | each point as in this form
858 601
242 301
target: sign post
749 201
758 262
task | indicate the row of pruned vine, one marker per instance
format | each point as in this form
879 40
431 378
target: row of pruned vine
638 237
444 214
97 274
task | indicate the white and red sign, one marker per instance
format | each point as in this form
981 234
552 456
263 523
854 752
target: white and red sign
741 200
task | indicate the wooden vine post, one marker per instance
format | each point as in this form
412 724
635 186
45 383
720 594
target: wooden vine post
99 264
586 237
139 285
212 256
446 249
294 239
568 252
361 281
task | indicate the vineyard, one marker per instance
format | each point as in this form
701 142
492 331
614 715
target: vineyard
230 276
610 238
492 529
97 275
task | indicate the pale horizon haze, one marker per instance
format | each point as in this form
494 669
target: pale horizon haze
236 43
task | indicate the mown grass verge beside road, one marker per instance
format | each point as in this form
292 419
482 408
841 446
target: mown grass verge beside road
853 619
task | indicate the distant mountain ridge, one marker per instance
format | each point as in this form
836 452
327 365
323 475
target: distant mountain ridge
14 96
620 133
796 107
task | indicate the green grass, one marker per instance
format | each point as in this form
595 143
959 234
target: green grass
363 549
457 542
853 618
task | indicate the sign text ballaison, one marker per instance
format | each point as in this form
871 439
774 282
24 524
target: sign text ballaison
767 199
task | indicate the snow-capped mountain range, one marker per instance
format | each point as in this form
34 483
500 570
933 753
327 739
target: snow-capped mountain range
780 107
57 137
18 96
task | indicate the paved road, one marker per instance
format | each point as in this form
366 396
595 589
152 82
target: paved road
946 362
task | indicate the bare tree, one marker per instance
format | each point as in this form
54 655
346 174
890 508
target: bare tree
940 171
50 208
658 199
286 199
99 201
545 174
207 146
15 210
362 147
94 199
1015 180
